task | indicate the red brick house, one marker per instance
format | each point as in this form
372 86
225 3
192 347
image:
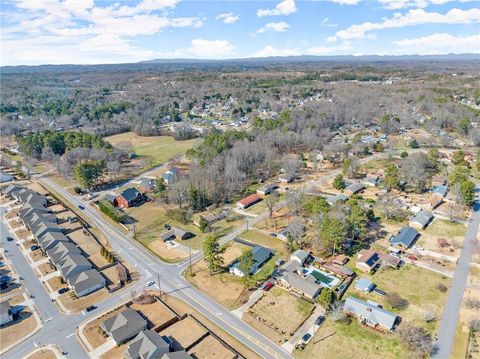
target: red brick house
130 197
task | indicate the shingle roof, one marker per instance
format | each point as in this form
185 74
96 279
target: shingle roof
130 194
364 284
4 307
300 254
371 313
355 187
182 354
369 257
85 280
422 218
442 190
247 201
51 239
71 264
124 325
60 250
147 345
297 282
406 237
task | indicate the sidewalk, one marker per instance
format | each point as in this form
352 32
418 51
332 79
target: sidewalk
254 297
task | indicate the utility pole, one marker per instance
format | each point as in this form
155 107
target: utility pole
159 284
190 259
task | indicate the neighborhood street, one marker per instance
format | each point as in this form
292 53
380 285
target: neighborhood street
449 320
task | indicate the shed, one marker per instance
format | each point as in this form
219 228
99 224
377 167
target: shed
364 284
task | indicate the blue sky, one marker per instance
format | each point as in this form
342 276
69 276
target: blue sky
87 31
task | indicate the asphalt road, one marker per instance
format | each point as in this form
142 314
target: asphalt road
449 319
172 282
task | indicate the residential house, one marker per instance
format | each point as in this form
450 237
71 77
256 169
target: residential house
364 284
110 197
51 239
266 189
248 201
148 185
148 344
334 199
299 285
300 256
434 200
439 180
440 189
405 237
41 228
11 190
6 315
124 326
57 252
354 188
171 175
260 256
421 220
286 178
371 181
129 197
368 260
86 282
370 314
5 177
73 264
175 233
390 261
182 354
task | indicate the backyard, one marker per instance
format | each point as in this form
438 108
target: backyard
269 316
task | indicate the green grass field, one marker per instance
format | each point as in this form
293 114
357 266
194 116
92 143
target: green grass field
446 229
156 149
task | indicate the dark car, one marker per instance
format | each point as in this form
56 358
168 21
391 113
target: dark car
63 290
319 320
306 338
273 234
81 207
34 247
10 239
90 308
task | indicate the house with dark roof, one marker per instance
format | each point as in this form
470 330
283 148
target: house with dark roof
370 314
57 252
260 256
334 199
11 189
405 237
421 219
148 344
354 188
129 197
73 264
368 260
175 233
266 189
182 354
171 175
51 239
248 201
148 185
124 326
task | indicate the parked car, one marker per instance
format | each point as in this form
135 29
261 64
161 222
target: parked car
10 239
273 234
63 290
412 258
90 308
267 286
319 320
34 247
306 338
81 207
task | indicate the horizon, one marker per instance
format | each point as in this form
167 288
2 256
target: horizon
102 32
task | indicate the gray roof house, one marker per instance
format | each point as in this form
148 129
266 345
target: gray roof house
124 325
421 220
170 176
299 285
73 264
45 227
364 284
11 189
300 256
340 197
369 313
60 250
5 313
51 239
27 209
405 237
147 345
175 233
266 189
354 188
182 354
260 256
148 185
86 282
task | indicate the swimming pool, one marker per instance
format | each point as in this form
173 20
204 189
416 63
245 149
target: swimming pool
322 278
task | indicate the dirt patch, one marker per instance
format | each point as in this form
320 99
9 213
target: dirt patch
185 332
42 354
92 330
12 214
210 347
163 251
37 255
23 233
16 223
25 325
56 283
156 312
115 352
17 300
46 268
271 311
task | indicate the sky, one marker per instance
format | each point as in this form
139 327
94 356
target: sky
35 32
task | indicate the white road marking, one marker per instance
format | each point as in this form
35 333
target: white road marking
48 319
70 335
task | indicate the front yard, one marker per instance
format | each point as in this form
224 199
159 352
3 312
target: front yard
278 314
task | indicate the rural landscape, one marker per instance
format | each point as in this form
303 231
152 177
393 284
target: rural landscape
291 206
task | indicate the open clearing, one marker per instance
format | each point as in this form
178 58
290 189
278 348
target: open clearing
269 314
156 149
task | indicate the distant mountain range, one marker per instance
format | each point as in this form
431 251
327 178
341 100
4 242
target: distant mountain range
178 64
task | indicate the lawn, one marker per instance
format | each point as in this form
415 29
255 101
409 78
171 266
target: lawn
269 314
351 340
156 149
265 240
442 228
78 304
416 285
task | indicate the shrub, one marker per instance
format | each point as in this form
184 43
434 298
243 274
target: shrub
178 214
441 287
396 301
110 211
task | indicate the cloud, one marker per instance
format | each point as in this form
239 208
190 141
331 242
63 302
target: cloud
411 18
228 18
442 43
320 50
345 2
210 49
403 4
274 26
285 7
325 23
